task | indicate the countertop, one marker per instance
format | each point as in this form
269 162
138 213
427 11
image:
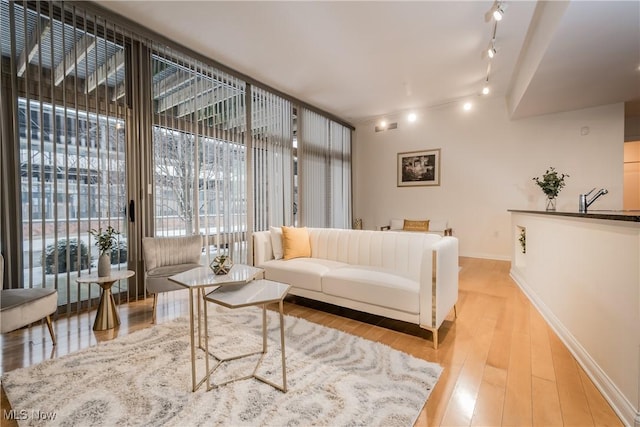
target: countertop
622 215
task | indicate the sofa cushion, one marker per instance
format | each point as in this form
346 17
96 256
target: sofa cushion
416 225
295 242
375 286
276 242
304 273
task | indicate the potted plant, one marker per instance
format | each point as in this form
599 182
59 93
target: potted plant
105 241
551 183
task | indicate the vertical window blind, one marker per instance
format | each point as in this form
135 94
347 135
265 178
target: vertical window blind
272 143
200 183
83 98
63 71
324 156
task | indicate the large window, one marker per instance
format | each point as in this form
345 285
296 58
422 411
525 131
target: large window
200 158
272 141
104 125
324 158
63 72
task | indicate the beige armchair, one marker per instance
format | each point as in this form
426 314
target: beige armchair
22 306
166 256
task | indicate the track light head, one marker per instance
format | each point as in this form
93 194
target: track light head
498 10
498 13
491 52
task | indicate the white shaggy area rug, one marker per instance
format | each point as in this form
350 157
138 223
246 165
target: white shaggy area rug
144 379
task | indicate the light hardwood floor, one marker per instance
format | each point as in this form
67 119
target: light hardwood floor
502 364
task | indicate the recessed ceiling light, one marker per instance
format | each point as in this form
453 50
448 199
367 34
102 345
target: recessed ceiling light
485 90
383 124
467 106
412 117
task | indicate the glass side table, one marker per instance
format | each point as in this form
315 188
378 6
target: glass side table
198 279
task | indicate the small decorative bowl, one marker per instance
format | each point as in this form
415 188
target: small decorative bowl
221 264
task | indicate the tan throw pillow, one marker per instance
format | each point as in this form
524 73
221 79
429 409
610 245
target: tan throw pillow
295 242
416 225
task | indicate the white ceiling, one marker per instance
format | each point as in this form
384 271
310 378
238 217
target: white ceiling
361 60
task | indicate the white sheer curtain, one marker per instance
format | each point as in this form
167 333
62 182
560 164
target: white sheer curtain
272 141
325 172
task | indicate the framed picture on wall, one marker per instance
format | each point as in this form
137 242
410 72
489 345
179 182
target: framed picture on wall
418 168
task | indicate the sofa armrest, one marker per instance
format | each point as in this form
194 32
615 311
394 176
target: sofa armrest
439 282
262 249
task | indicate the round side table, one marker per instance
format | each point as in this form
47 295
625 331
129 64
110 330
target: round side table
107 316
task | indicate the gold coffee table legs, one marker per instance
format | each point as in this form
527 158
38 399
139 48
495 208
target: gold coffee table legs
193 330
107 316
282 387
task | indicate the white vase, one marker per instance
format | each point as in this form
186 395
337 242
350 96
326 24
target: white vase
104 265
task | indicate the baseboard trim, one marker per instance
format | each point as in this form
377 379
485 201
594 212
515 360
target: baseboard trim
620 404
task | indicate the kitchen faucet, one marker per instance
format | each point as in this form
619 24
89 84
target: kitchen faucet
583 203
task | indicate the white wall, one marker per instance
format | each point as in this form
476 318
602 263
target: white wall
584 278
487 166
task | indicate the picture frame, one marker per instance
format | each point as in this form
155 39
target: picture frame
419 168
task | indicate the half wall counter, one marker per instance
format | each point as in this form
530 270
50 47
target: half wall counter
582 272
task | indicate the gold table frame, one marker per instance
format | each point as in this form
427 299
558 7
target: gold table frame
198 279
259 292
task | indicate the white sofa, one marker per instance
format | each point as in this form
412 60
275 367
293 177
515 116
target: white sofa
411 277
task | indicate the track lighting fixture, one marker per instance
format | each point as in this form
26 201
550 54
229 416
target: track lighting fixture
498 13
498 10
491 52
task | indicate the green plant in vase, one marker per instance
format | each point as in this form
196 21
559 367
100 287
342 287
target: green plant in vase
105 241
551 183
